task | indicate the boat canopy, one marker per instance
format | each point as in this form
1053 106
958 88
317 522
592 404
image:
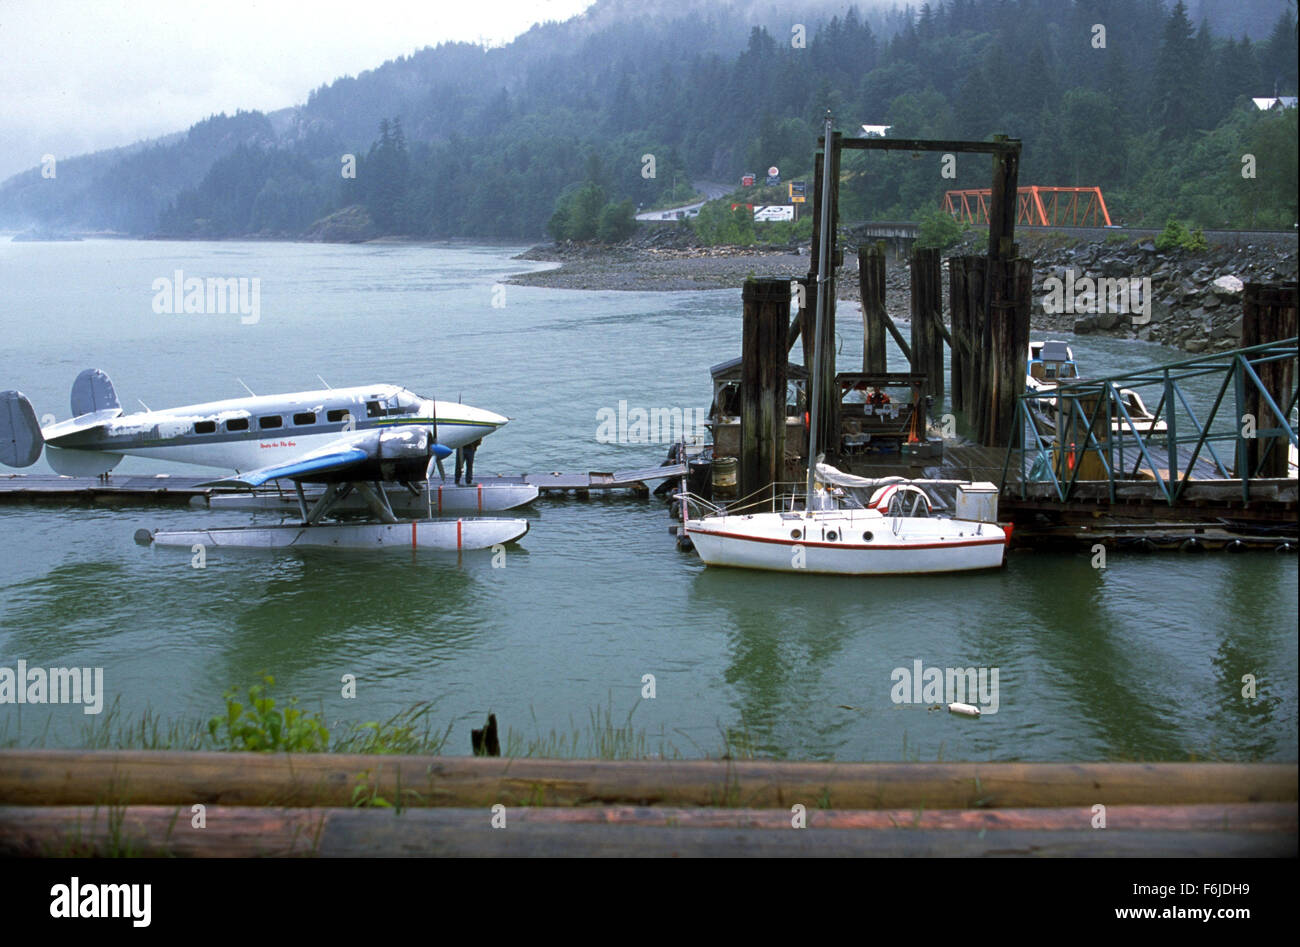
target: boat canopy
1056 352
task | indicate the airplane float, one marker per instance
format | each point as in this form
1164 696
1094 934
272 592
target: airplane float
349 440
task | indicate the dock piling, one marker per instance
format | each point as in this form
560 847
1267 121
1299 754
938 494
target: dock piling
763 384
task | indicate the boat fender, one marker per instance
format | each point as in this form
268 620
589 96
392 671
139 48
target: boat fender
1192 544
966 710
143 537
684 543
1285 547
1236 546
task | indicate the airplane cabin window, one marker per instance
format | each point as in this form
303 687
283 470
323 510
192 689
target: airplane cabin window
305 417
338 414
271 420
205 427
237 424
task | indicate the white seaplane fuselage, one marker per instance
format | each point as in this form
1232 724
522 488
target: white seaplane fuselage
259 431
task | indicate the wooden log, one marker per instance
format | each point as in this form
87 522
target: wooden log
871 288
763 384
1268 314
142 777
1257 829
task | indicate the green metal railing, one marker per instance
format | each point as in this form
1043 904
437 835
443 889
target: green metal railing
1092 418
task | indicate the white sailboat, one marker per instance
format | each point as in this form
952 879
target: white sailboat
825 536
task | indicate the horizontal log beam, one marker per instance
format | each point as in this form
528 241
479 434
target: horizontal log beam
921 144
241 832
140 777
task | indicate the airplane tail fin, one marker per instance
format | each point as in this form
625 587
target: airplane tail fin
92 391
20 433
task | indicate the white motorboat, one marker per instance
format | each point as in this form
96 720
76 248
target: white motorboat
1052 363
825 536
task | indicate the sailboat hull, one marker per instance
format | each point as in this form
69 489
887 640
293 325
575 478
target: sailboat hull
848 542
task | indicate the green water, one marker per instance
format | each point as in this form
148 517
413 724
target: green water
1143 660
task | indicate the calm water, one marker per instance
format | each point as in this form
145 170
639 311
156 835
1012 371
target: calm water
1142 660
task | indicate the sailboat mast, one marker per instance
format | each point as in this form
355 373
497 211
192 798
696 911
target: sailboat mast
823 276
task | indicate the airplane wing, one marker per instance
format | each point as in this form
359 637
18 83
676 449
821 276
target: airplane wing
333 457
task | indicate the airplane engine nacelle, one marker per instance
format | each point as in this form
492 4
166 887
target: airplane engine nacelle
404 444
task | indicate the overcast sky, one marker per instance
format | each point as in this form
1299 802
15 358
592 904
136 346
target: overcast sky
79 75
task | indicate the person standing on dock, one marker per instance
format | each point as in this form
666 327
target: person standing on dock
465 457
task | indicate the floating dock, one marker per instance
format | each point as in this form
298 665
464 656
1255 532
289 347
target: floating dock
167 489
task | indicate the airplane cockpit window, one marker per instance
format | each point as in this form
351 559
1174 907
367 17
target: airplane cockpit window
404 402
374 409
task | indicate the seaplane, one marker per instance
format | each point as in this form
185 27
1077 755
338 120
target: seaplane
349 442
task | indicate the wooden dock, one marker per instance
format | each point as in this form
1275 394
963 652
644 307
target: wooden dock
165 489
56 802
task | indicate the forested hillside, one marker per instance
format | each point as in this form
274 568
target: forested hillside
464 141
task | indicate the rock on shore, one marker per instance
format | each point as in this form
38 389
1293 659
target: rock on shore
1194 300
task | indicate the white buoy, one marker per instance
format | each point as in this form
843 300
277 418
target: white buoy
968 710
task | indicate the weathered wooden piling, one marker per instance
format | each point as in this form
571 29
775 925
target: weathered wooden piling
957 314
763 384
975 346
1008 353
1268 314
990 346
927 305
871 288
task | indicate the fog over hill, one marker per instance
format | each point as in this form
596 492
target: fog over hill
463 140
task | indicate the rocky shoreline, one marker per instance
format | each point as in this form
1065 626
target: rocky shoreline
1186 299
